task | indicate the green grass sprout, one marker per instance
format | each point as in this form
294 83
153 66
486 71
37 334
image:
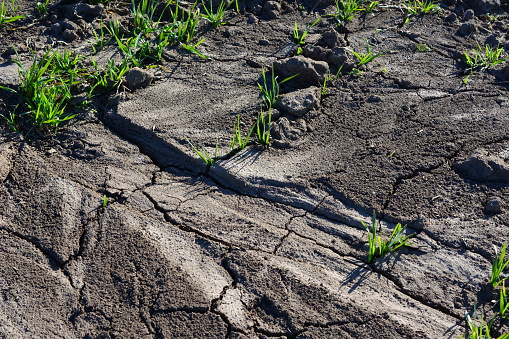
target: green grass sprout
238 141
5 17
504 301
270 88
364 58
482 59
215 18
346 10
204 155
298 37
378 247
499 264
263 127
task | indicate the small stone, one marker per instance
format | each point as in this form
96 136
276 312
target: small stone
264 42
309 72
419 223
299 102
469 14
492 41
56 29
271 9
251 19
493 206
70 25
482 166
69 35
89 11
466 29
137 78
451 17
330 39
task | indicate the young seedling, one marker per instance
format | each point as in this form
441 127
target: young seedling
42 7
482 59
422 48
270 88
45 88
263 127
378 247
5 18
414 7
481 331
504 301
499 264
238 142
346 10
204 155
215 18
371 6
192 49
364 58
299 38
105 200
100 39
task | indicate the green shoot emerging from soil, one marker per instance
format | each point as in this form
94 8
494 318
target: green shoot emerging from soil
238 142
378 247
415 7
270 88
364 58
481 59
298 37
504 301
499 264
263 128
346 10
42 7
215 18
5 16
46 89
422 48
204 155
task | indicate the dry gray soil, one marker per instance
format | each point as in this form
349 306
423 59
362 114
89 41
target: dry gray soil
267 242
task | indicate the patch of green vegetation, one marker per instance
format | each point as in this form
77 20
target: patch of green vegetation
422 48
370 7
499 265
270 88
263 127
503 301
46 89
364 58
481 59
299 38
346 10
416 7
6 14
238 141
379 247
215 18
42 7
209 159
104 80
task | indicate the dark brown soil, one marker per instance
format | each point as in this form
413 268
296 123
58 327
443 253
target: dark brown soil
266 242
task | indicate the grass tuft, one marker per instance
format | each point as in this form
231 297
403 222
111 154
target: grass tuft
378 247
499 264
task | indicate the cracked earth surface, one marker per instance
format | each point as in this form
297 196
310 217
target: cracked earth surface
266 242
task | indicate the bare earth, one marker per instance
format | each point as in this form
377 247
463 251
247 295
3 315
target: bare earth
266 242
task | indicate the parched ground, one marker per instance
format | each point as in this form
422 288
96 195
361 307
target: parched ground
266 242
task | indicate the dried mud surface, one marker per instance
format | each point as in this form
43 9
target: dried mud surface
267 242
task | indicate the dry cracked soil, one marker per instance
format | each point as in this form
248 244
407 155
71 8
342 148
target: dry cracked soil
265 242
